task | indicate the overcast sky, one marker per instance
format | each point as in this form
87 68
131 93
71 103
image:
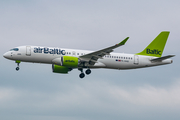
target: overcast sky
36 93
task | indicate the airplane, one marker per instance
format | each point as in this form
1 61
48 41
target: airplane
65 60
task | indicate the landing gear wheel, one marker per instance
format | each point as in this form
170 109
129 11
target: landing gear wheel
88 71
82 75
17 68
18 62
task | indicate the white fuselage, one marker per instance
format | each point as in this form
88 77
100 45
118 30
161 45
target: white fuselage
37 54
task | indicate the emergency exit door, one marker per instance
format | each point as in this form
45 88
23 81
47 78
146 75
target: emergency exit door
136 59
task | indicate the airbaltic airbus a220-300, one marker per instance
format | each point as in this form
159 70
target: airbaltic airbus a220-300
65 60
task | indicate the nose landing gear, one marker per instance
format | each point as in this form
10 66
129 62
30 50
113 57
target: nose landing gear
18 62
17 68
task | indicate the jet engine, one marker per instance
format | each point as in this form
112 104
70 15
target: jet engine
60 69
67 61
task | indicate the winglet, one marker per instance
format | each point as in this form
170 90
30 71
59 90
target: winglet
124 41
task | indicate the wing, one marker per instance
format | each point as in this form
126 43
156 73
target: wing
94 56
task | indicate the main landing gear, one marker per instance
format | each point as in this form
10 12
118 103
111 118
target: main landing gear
88 71
82 75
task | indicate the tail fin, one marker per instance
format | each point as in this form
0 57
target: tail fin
156 47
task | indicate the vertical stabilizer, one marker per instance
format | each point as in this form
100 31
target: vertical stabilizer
156 47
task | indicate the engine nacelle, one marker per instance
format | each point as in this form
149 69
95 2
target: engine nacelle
59 69
67 61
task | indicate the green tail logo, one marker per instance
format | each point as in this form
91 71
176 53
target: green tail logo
155 51
156 47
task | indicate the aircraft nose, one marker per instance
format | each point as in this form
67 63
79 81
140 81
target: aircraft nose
6 55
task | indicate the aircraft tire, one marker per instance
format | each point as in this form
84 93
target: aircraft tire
17 68
82 75
88 71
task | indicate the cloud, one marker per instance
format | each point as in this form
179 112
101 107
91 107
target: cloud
150 96
91 94
8 94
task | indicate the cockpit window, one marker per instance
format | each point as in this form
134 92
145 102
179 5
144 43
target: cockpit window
15 49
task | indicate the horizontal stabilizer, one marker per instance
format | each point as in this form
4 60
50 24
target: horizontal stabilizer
162 58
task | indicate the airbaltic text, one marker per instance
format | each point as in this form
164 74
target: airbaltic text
49 50
155 51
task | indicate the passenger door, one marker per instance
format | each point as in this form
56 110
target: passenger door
28 50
